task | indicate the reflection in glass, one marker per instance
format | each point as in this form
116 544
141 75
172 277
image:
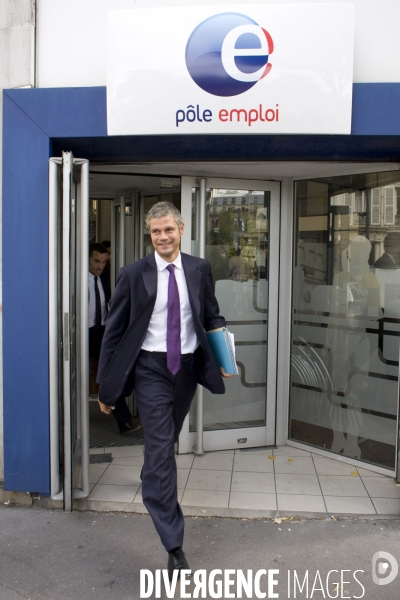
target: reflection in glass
346 316
237 248
129 224
117 258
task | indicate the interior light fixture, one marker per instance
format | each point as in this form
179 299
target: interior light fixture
170 182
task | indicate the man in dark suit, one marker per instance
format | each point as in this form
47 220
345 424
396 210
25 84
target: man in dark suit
106 275
99 297
155 341
390 259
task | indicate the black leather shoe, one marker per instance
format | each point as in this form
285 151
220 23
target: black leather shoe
129 427
176 562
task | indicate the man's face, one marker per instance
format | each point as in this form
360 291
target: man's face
166 237
97 262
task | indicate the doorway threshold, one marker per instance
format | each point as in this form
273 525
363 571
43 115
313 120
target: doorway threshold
259 483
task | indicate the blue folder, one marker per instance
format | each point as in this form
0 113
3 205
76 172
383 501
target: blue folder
223 351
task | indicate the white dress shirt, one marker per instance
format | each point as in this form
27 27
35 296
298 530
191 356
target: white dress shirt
92 301
156 338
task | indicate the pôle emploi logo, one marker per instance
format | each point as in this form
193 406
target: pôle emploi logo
226 55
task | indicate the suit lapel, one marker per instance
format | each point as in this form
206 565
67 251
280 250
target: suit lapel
149 275
193 281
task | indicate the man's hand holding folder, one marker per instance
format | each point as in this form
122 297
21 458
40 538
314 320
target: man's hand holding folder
222 344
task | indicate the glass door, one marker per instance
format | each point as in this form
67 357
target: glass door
117 238
125 233
235 225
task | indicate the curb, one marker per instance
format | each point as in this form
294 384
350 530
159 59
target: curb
28 499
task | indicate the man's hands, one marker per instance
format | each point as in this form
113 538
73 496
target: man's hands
107 409
104 408
226 374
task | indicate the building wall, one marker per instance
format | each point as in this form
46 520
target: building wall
71 52
72 36
17 69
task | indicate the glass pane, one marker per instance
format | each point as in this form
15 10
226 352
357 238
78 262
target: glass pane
117 260
93 204
346 316
237 247
129 234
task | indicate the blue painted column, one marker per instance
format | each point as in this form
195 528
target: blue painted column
30 119
25 302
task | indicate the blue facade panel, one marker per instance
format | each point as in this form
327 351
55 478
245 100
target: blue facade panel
376 109
38 119
65 112
25 302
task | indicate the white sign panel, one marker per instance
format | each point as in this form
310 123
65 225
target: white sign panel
263 69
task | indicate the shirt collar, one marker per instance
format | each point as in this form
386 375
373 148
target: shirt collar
91 277
163 264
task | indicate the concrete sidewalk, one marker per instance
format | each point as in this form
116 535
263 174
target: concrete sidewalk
51 555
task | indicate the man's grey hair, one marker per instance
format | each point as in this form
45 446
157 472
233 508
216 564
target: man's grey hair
164 209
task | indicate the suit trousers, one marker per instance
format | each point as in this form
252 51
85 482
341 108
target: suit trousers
164 401
121 413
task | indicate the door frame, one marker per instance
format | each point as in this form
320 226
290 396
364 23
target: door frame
68 196
256 436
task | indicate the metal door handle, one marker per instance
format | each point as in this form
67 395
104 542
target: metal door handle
66 336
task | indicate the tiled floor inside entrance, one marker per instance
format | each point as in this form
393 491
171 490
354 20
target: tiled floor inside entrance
285 479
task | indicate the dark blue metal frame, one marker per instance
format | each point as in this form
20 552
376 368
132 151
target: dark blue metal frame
38 123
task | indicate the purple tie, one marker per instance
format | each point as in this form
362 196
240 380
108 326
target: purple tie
173 324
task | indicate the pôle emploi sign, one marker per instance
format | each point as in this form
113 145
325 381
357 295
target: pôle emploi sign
237 69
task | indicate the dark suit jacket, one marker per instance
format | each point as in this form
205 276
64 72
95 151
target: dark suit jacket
106 283
96 333
127 322
385 262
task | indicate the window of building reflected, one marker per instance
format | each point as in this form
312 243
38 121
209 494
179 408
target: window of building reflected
236 244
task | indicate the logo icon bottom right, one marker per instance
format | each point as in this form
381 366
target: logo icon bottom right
381 561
